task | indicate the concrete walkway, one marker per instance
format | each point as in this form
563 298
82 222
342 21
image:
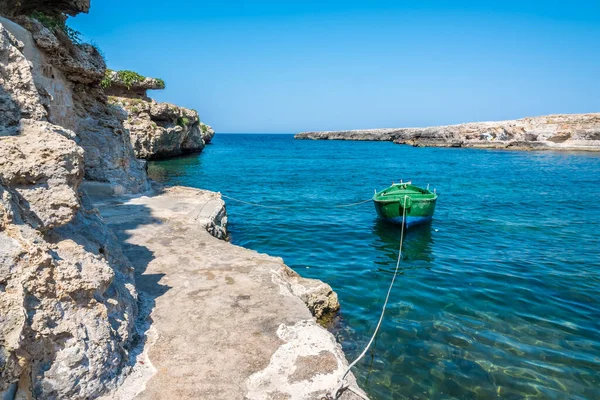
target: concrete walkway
219 321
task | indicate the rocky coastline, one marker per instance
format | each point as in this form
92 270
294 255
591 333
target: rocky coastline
97 297
157 130
571 132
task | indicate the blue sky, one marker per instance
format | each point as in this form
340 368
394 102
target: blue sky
290 66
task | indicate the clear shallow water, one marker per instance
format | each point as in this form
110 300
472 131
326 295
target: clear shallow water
499 297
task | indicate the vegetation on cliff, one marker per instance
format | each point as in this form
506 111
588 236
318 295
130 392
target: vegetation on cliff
57 24
128 79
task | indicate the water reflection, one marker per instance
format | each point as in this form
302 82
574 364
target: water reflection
416 250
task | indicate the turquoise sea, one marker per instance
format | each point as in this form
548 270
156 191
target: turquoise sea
499 297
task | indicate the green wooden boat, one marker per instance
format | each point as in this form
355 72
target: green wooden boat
420 203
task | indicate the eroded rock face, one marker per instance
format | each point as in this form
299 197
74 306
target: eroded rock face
67 299
25 7
19 97
318 296
160 130
552 132
109 155
46 77
80 63
67 304
136 86
44 166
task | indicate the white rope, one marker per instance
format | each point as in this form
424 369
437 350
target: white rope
279 208
343 383
252 204
354 204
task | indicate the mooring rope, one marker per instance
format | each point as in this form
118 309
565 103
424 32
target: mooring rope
354 204
343 385
280 208
252 204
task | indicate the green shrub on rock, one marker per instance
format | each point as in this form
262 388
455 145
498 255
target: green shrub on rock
56 24
129 78
183 121
126 78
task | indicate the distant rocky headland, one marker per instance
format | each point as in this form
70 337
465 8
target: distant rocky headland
552 132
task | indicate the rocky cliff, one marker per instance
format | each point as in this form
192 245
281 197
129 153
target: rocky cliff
553 132
67 295
69 317
157 130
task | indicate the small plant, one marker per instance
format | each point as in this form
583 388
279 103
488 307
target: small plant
98 50
161 83
129 78
56 24
183 121
107 80
204 128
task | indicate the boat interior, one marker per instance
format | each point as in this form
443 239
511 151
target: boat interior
402 189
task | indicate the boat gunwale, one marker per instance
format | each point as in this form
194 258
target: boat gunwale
399 199
421 195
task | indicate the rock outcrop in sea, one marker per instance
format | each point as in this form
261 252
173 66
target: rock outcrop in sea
157 130
552 132
78 297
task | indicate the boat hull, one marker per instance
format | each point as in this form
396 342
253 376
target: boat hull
409 221
419 212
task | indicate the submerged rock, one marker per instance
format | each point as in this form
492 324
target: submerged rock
552 132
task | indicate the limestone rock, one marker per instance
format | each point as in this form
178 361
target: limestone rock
45 79
67 300
80 62
109 155
129 84
19 97
160 130
44 165
207 132
25 7
318 296
308 365
553 132
66 306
